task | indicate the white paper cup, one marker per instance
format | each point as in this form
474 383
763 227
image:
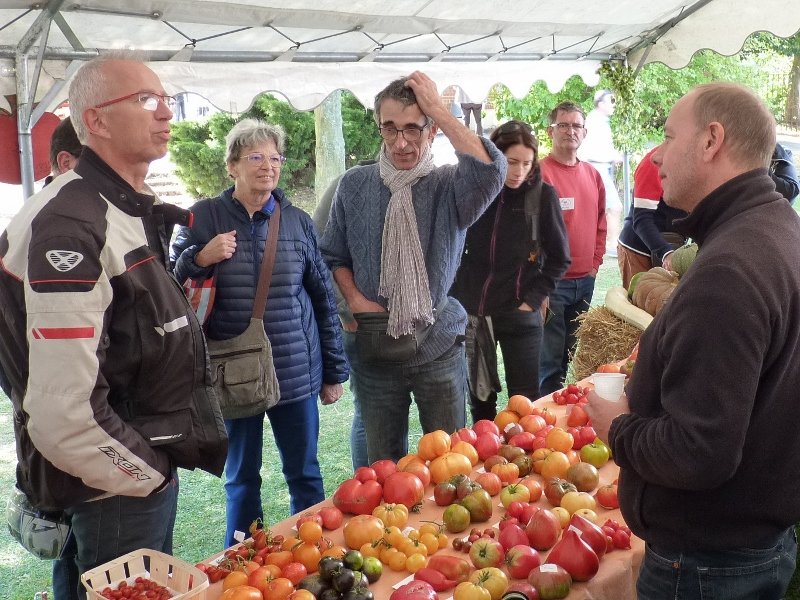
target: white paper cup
609 385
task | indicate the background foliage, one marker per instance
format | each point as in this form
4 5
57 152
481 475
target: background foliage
198 148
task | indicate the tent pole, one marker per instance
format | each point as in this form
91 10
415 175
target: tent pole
26 90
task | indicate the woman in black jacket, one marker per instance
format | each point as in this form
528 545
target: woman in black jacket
513 257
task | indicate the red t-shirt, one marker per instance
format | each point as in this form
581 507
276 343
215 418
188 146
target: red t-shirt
582 196
647 188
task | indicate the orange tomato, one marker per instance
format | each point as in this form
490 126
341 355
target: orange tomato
555 464
532 423
507 473
449 464
558 439
279 588
433 444
290 542
608 368
467 450
361 529
302 595
407 460
419 469
234 579
392 514
538 457
308 554
534 488
280 558
310 532
242 592
336 551
548 415
520 405
505 417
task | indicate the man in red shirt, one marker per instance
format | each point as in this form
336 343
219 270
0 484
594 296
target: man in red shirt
583 203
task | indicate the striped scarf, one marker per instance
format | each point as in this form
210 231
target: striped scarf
404 278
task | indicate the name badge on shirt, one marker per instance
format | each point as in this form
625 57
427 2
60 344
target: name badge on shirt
567 203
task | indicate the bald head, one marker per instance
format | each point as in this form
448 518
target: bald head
749 126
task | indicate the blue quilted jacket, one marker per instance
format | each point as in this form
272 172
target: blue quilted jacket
300 320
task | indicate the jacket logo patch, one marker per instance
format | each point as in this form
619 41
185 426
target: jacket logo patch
63 260
123 464
174 325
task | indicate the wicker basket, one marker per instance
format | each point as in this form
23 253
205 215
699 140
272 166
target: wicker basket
181 578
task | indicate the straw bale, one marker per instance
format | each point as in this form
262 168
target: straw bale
602 338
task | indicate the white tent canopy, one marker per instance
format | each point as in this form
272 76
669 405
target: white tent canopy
230 50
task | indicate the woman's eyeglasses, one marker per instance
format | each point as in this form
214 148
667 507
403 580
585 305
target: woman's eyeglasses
258 159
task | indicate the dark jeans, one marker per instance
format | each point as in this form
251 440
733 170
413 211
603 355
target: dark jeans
106 529
571 298
519 334
743 573
384 391
295 427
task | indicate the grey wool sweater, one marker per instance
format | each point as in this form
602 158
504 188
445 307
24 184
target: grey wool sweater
446 203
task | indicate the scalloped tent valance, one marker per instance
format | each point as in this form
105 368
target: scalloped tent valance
230 50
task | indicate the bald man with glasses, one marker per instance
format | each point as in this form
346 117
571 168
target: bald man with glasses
104 359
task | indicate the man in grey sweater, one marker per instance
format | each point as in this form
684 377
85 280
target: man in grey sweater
393 243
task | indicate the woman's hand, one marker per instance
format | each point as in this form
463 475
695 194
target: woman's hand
330 392
221 247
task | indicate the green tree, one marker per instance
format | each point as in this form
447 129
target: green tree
761 44
198 149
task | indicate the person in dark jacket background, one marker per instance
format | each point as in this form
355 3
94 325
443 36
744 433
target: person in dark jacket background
300 319
784 173
514 255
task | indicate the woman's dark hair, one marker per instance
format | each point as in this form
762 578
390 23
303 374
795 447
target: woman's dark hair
515 132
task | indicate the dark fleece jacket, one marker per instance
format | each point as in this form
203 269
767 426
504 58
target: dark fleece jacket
710 452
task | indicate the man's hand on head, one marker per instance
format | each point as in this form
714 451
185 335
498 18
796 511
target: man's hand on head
428 98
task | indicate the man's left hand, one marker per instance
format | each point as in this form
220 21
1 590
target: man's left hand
330 392
603 411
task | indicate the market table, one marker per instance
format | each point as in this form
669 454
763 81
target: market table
616 579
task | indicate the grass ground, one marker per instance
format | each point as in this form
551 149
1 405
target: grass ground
200 526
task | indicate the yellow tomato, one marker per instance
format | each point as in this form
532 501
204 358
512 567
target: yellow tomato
573 501
391 514
415 562
562 514
493 580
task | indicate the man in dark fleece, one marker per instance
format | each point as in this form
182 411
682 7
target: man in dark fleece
708 421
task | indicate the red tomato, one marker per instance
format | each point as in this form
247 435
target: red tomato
383 468
294 572
358 498
403 488
332 517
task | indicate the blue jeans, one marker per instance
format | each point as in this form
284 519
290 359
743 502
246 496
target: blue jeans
743 573
383 393
519 333
295 427
571 298
106 529
358 435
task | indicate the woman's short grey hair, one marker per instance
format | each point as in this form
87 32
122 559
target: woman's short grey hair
89 87
249 133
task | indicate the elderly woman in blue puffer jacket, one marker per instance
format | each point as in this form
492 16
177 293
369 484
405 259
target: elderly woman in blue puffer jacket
300 320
